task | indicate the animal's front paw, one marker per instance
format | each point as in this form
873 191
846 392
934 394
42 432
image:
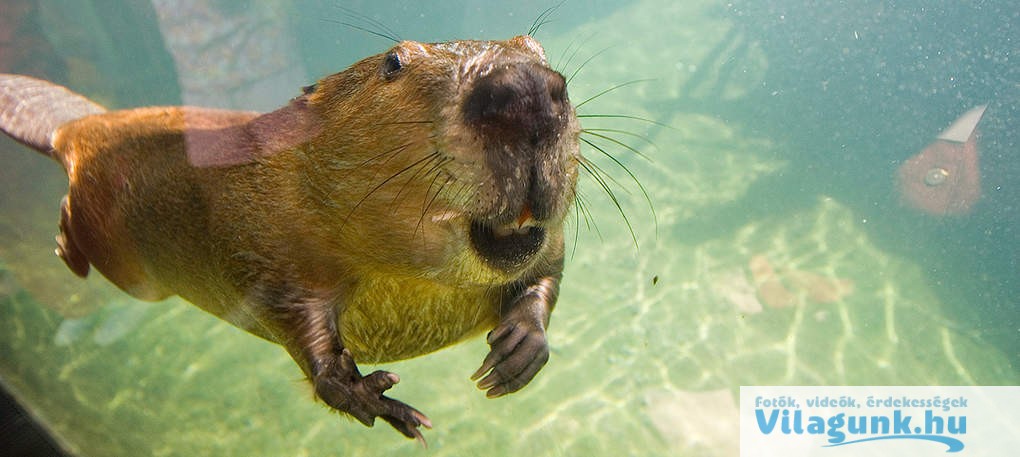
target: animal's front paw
518 351
362 397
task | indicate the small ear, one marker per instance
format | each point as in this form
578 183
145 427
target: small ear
226 138
32 109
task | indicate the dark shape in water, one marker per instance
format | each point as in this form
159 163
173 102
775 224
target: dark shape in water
943 179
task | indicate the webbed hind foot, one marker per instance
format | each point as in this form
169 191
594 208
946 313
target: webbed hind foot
66 247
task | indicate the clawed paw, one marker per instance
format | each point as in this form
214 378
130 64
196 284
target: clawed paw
362 397
518 351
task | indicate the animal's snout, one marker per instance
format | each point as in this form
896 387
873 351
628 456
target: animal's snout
524 101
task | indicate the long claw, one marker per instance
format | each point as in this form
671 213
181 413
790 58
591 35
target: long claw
517 353
345 389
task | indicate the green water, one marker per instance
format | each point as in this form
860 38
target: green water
655 329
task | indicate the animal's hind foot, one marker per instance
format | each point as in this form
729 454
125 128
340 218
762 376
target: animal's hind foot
66 248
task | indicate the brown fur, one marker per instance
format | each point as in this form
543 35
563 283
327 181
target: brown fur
329 226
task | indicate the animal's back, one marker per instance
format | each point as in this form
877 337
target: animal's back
140 209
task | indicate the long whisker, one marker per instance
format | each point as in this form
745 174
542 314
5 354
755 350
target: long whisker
624 116
593 132
427 206
560 64
577 224
382 30
363 29
589 220
435 170
572 50
388 154
610 179
587 166
402 123
424 164
639 136
383 183
464 189
644 192
618 86
589 59
543 18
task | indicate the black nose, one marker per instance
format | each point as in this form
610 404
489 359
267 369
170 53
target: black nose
523 101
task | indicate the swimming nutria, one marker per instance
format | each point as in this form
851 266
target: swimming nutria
395 208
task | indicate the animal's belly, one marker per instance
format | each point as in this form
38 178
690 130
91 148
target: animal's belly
388 319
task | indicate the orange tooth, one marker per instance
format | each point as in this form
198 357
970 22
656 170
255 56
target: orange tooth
525 215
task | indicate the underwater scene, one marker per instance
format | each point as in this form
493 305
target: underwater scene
780 192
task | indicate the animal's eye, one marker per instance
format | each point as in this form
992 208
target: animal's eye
391 65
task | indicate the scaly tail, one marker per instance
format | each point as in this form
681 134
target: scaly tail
31 110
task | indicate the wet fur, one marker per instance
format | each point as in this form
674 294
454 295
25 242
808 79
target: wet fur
335 226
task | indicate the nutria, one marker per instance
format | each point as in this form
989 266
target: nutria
402 205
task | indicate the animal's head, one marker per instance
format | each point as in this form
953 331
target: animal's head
459 157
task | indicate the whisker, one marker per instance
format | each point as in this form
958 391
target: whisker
612 196
390 152
424 164
617 142
382 30
363 29
436 171
379 186
589 220
618 86
624 132
577 224
644 192
403 122
624 116
461 188
543 18
610 179
338 165
426 207
464 188
573 53
586 61
426 202
563 54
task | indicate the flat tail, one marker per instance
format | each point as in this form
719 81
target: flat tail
31 110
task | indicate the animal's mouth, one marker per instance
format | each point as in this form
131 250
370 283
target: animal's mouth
508 246
520 118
